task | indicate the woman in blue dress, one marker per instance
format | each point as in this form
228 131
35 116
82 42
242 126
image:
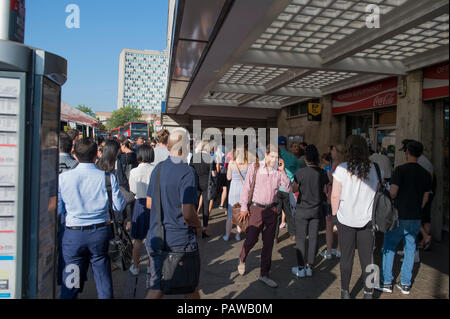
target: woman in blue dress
237 169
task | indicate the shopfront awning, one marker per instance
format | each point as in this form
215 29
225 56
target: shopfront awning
256 55
71 114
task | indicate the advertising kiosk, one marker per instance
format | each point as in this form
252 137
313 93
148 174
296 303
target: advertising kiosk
30 101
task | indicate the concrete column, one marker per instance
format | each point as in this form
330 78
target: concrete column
409 114
437 209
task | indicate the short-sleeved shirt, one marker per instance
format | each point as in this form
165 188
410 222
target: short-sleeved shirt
203 170
357 196
413 182
301 163
311 181
178 187
425 163
161 154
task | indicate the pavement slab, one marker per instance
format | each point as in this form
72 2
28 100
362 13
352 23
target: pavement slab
219 278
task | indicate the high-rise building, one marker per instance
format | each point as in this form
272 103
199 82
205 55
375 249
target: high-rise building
142 80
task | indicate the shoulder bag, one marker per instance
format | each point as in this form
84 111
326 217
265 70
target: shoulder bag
236 209
120 246
384 213
180 270
129 196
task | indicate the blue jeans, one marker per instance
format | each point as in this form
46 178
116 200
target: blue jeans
81 247
408 231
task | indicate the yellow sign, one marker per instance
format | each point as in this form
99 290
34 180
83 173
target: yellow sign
315 109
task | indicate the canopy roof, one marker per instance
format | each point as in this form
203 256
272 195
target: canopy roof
266 54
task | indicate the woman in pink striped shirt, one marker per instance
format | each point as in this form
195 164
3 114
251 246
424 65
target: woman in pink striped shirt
261 209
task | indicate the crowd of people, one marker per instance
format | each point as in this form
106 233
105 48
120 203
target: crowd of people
159 189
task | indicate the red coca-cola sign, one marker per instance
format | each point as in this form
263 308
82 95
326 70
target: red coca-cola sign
377 94
384 100
435 81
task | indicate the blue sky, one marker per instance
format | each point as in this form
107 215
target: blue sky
92 51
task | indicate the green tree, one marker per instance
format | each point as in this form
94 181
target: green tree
123 115
87 110
101 126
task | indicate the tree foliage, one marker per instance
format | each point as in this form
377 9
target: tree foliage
87 110
123 115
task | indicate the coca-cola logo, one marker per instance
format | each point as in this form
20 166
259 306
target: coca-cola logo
442 69
385 99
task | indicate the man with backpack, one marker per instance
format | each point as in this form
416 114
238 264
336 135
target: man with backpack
410 189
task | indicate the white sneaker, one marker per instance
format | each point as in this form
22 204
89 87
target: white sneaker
241 268
298 272
134 271
269 282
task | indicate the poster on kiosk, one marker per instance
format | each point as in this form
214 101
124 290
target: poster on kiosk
30 101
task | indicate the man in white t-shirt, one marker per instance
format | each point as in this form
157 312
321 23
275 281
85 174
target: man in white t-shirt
383 162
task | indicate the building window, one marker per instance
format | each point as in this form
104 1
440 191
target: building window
301 108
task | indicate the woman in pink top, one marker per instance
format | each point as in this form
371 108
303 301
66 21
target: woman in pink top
262 209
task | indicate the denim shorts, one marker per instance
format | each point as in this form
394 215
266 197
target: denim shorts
156 263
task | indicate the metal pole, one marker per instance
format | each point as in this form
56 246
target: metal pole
4 19
131 111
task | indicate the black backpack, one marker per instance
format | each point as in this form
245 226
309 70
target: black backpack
63 167
384 214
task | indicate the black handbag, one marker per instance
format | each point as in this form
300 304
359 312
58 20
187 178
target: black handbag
180 270
212 184
120 246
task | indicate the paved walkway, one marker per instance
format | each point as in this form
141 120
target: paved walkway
219 278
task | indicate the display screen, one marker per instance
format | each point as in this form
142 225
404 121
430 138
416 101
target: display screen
51 99
140 127
10 96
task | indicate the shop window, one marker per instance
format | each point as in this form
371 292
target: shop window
386 118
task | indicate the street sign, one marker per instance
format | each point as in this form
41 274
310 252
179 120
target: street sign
314 111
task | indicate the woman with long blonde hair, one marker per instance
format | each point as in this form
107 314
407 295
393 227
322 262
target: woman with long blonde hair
236 172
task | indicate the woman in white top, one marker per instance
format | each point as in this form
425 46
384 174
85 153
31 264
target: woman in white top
139 178
236 172
355 183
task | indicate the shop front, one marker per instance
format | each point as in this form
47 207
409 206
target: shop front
370 111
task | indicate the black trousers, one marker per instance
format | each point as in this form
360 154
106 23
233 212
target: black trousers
205 208
306 226
284 204
349 239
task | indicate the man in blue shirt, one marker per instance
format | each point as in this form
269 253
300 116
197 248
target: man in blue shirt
83 198
180 221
